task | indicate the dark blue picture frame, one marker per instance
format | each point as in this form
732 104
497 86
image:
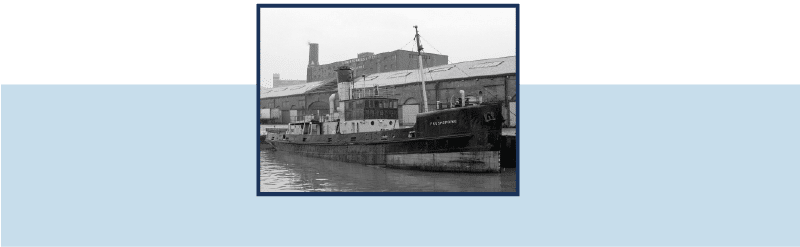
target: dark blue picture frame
258 101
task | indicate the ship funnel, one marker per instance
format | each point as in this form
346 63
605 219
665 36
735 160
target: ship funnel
330 103
463 98
344 79
345 74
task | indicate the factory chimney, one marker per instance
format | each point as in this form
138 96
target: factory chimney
313 60
313 54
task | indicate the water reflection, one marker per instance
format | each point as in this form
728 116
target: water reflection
284 172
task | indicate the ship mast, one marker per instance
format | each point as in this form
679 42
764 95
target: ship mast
421 75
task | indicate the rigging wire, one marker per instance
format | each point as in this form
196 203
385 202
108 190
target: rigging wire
409 61
408 66
448 61
401 48
429 43
491 94
404 46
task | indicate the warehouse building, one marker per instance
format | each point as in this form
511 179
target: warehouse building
489 80
367 63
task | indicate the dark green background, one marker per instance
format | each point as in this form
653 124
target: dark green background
198 42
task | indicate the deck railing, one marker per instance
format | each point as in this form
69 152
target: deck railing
373 92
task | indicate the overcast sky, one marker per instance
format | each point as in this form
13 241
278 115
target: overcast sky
464 34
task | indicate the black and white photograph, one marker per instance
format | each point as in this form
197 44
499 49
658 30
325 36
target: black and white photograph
388 99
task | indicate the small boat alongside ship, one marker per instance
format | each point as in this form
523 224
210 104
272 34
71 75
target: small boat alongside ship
366 130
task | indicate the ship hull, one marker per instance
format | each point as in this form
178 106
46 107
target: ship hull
475 161
416 154
467 139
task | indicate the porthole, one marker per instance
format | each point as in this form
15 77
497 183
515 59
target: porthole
390 122
373 122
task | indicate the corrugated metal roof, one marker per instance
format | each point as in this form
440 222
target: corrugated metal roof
477 68
289 90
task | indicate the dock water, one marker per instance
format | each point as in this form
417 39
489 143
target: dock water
282 172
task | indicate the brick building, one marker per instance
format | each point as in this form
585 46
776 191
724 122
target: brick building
367 63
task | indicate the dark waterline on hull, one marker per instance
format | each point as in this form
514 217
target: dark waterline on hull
285 172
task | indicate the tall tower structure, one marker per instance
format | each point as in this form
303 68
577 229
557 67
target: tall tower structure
313 59
313 54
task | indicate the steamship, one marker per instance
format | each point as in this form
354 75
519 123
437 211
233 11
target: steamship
366 130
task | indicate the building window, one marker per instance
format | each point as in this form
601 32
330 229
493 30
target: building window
440 69
486 65
401 74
